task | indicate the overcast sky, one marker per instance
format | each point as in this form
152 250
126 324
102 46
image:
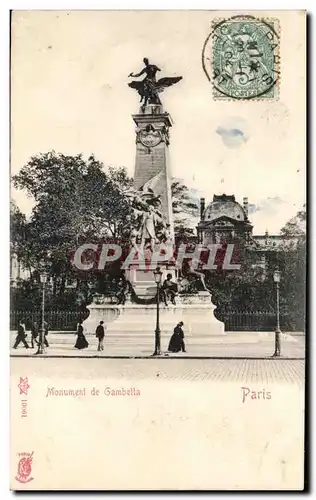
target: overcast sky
70 94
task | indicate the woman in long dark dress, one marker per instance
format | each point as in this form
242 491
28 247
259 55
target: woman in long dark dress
81 342
176 343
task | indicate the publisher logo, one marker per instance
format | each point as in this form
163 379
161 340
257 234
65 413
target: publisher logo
24 468
23 385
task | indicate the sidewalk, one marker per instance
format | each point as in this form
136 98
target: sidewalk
243 345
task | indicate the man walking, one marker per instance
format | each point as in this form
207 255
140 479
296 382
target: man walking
99 333
21 336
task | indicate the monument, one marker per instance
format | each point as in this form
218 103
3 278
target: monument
152 169
133 317
152 138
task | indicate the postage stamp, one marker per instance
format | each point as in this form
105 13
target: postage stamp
241 58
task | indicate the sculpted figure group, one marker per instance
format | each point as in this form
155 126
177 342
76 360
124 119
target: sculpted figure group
152 228
192 282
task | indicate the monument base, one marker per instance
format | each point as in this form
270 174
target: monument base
142 280
135 324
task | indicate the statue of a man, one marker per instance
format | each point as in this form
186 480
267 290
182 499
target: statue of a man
149 87
148 228
194 276
146 88
150 70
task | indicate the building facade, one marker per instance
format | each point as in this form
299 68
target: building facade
224 220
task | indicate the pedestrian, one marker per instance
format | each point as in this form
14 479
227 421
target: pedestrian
99 333
81 342
34 334
45 334
176 343
21 336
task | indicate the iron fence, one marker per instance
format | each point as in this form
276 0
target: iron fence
57 320
261 321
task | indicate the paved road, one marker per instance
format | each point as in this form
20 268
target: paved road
254 371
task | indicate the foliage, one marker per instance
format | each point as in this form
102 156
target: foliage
296 226
292 264
76 201
17 227
251 288
185 210
243 288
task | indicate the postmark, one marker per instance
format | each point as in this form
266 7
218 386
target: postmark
241 58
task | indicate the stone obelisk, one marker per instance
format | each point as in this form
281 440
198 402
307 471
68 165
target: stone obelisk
152 168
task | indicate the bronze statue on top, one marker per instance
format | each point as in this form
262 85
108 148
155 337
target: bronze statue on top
149 87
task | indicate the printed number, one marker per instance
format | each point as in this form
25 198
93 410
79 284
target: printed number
267 79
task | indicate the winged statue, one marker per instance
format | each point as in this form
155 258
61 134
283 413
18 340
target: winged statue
149 88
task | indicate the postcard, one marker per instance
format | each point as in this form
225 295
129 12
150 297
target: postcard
158 250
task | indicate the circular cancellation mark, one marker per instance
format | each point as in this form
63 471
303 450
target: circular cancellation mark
241 58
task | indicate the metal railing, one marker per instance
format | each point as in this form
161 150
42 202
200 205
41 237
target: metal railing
57 320
240 320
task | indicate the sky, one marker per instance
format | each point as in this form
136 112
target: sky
69 92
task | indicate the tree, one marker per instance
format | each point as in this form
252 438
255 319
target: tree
20 239
75 202
241 289
292 263
17 228
185 210
252 289
295 228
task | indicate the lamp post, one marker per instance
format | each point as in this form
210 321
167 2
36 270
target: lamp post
277 279
41 345
158 275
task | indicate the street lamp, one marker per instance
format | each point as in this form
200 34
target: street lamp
277 279
41 345
157 275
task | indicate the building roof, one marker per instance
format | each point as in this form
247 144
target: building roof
273 241
225 205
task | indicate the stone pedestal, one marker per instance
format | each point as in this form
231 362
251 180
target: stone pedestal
143 280
135 324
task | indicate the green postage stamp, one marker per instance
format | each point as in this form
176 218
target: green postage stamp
241 58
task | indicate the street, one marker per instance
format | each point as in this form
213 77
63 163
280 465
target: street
258 371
